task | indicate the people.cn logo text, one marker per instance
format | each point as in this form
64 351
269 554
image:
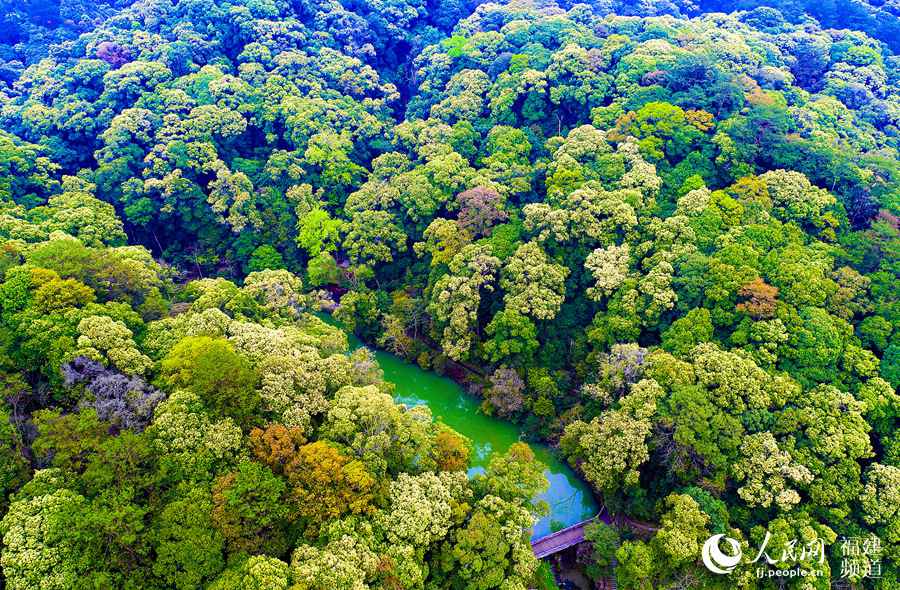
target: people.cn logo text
716 560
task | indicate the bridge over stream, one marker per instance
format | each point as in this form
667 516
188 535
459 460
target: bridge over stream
572 535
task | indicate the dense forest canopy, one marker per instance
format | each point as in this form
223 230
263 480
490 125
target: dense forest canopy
662 236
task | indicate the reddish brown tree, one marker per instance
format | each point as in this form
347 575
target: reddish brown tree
113 54
480 208
761 299
276 445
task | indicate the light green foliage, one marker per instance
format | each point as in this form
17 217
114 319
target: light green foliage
673 550
589 215
443 240
190 443
585 155
534 286
422 507
249 509
515 477
735 382
344 563
614 446
795 199
456 297
189 549
212 370
802 527
75 212
27 174
609 267
512 336
383 434
832 423
107 340
318 232
373 236
36 551
67 439
292 387
604 541
491 551
767 473
664 131
57 295
265 257
635 567
278 292
881 496
685 333
322 270
231 198
259 572
707 435
682 531
882 403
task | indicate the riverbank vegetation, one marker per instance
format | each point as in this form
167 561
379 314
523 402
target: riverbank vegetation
666 245
232 443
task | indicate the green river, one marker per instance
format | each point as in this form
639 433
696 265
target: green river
569 498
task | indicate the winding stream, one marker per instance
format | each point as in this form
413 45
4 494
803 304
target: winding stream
569 498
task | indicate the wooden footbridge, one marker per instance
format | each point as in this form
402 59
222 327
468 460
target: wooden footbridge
565 538
569 536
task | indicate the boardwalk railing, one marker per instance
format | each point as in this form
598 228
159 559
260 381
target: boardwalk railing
565 538
560 540
569 536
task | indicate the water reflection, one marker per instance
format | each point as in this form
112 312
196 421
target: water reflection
569 498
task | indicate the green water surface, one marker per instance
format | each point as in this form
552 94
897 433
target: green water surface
569 498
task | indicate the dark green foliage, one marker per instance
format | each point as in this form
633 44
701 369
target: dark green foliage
13 466
598 552
250 511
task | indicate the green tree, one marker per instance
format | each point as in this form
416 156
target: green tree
259 572
211 369
37 551
491 550
322 270
533 285
249 509
188 548
685 333
610 449
456 297
513 336
190 444
13 467
318 232
265 257
516 477
767 472
373 236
